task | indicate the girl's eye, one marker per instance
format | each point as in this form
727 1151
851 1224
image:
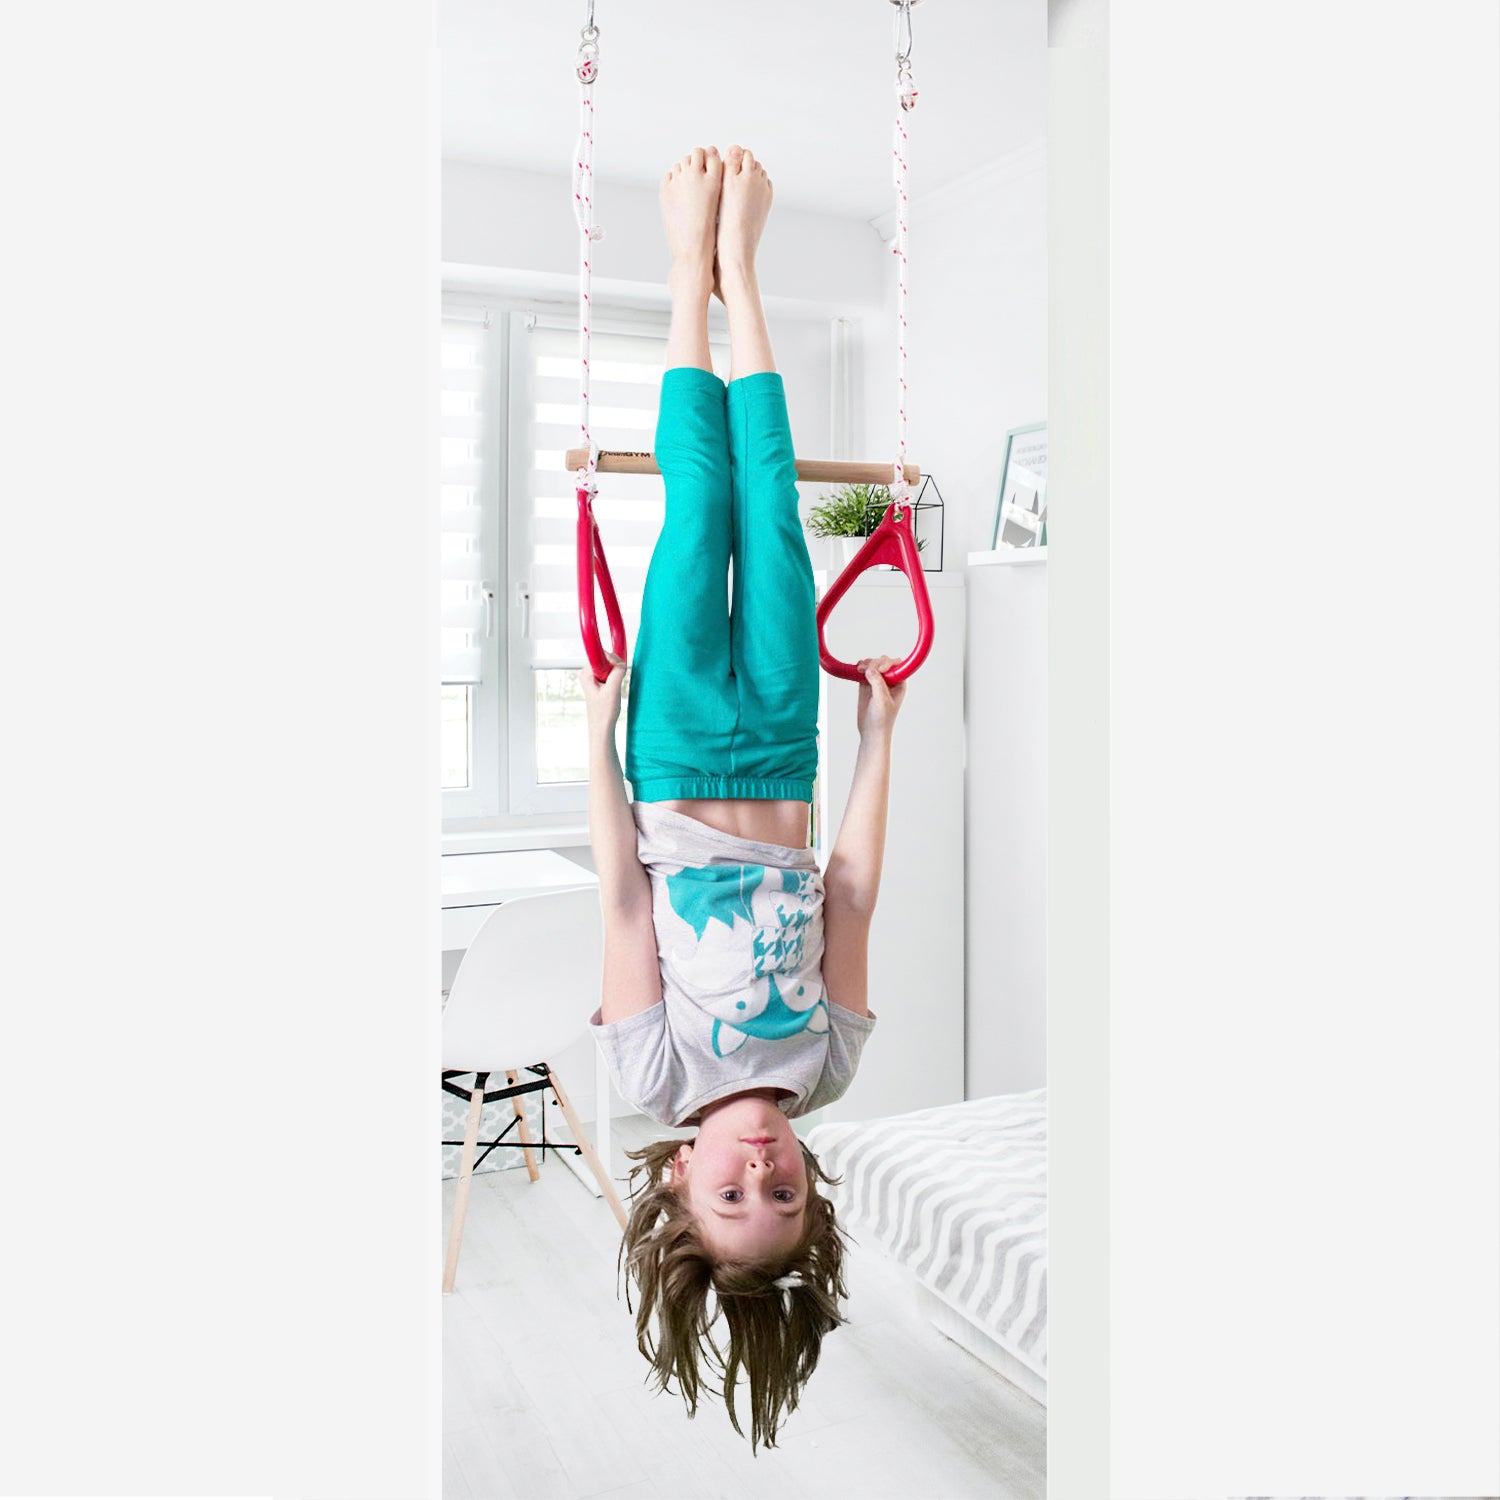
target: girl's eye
784 1195
731 1195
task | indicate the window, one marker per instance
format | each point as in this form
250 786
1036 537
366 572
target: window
472 397
514 742
547 740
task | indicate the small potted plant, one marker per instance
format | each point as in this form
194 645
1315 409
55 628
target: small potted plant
849 515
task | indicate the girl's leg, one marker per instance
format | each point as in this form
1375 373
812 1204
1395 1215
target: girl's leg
682 708
773 641
743 208
690 209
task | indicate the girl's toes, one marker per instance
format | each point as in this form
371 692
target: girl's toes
734 157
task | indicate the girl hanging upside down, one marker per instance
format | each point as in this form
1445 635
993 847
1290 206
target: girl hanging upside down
735 974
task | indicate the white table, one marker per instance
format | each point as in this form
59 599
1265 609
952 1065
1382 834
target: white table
473 885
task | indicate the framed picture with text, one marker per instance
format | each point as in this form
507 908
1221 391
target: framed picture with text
1021 511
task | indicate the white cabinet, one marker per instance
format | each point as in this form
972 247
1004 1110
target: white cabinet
915 1058
1006 1029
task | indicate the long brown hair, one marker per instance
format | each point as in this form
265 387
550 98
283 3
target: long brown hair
776 1314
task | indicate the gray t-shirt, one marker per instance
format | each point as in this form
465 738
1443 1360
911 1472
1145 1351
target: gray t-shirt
739 930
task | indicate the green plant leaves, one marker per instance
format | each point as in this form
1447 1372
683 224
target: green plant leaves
854 510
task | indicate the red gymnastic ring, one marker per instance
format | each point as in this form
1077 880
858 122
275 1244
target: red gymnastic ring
893 542
592 568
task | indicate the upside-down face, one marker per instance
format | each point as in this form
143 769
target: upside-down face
745 1180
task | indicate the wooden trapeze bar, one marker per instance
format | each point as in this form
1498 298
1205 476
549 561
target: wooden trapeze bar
809 470
893 543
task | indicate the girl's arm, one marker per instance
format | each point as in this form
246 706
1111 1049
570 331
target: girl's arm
851 882
632 974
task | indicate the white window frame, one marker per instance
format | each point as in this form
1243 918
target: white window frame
527 794
483 798
505 805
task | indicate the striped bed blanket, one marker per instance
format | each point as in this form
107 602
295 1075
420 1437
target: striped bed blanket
958 1195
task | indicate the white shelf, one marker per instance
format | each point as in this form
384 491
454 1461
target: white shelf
1007 557
951 579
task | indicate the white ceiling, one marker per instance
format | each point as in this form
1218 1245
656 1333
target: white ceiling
806 83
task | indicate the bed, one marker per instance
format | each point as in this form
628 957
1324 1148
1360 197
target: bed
958 1196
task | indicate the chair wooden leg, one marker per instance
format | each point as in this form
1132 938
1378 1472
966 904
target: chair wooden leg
580 1135
465 1177
605 1095
520 1110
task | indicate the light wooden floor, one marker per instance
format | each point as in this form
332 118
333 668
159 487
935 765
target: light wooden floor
544 1397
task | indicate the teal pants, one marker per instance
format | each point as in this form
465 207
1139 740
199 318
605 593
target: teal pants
724 684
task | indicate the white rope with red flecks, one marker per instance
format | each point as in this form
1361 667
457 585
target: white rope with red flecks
583 210
906 101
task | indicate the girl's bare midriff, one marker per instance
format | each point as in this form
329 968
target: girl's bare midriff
783 823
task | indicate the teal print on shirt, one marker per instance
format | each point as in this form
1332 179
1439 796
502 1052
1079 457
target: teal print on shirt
716 892
779 950
775 1023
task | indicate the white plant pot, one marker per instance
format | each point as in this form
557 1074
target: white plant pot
848 546
842 551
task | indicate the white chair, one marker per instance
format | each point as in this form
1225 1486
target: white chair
524 992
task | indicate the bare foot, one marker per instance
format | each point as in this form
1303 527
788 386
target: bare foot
744 206
689 208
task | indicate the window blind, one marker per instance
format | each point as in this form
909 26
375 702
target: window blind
468 393
626 371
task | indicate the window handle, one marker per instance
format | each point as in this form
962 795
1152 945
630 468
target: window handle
523 598
488 590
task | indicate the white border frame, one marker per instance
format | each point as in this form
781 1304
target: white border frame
489 753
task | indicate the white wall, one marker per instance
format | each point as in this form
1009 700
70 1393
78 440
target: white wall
497 216
1005 862
977 366
1080 1211
915 1060
977 337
